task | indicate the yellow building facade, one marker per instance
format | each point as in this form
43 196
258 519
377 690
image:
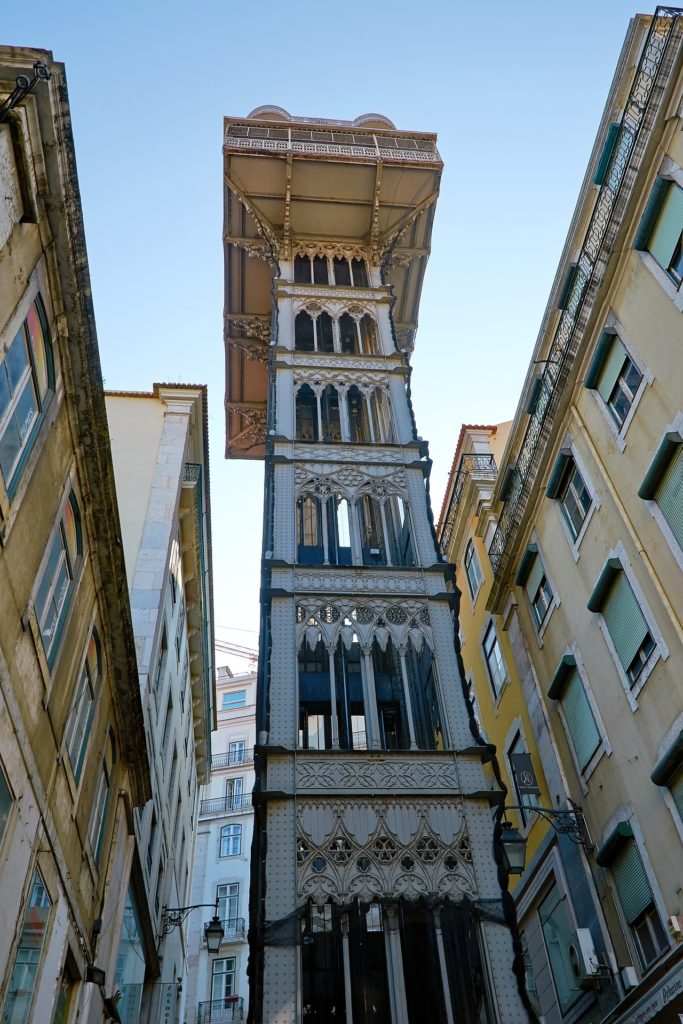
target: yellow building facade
586 553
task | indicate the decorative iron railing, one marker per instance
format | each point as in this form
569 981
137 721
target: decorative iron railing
234 929
231 760
471 464
216 1011
336 142
587 275
225 805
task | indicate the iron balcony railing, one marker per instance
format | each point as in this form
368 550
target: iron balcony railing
232 760
225 805
216 1011
586 275
233 928
472 464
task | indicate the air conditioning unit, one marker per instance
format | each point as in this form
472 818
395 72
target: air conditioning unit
629 978
583 958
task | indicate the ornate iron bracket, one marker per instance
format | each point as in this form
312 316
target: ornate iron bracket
174 917
23 87
569 822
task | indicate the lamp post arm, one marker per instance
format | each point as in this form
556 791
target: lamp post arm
568 822
174 917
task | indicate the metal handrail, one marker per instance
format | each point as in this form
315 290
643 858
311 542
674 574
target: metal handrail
233 928
225 805
232 760
217 1011
470 464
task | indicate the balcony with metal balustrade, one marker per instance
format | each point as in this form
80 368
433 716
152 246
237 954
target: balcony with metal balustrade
218 1011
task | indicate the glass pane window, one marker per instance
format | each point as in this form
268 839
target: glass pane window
56 581
578 715
669 495
235 699
624 391
228 898
101 806
494 659
231 841
5 803
574 498
25 378
558 936
665 239
637 903
627 628
472 569
223 978
236 752
28 956
80 717
542 600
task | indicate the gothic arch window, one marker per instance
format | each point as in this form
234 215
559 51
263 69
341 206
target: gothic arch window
371 531
306 414
381 417
348 335
359 422
309 269
315 708
391 698
304 332
368 335
329 413
399 534
309 536
339 530
350 273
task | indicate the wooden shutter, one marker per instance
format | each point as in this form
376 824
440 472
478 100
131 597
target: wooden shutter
611 368
668 227
624 620
677 793
533 580
669 495
579 717
633 888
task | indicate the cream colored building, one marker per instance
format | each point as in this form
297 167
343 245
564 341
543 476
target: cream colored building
73 757
587 553
217 988
160 451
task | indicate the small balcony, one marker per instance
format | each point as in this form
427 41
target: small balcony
232 760
234 928
216 1011
221 805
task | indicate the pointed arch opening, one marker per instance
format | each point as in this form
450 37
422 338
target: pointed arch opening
359 423
306 414
304 332
329 413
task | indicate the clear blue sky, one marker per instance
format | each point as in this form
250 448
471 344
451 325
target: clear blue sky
515 92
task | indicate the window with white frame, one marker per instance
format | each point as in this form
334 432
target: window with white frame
621 855
663 484
57 578
80 717
661 229
614 599
472 569
6 801
568 488
613 373
236 749
582 730
26 381
228 901
493 656
339 271
558 935
98 821
233 792
223 979
532 576
22 985
231 841
234 699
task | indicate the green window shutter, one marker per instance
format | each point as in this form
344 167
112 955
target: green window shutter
606 155
633 888
669 495
668 227
611 368
676 788
624 620
579 718
534 578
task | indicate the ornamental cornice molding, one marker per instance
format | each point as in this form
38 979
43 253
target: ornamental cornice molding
256 349
344 453
255 419
341 379
329 293
341 250
340 773
312 361
404 622
359 581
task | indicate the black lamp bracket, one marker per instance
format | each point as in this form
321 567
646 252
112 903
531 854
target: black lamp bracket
23 86
174 917
568 822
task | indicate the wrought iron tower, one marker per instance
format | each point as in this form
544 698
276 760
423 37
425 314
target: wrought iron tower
376 882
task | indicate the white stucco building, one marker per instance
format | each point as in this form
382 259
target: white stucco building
217 985
160 451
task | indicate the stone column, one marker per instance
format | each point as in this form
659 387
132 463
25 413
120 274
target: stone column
442 964
326 542
347 968
333 700
397 988
406 697
385 532
370 700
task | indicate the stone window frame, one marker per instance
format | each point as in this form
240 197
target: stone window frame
614 326
604 748
674 428
669 171
569 447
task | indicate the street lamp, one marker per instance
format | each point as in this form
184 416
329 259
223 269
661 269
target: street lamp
214 932
514 848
